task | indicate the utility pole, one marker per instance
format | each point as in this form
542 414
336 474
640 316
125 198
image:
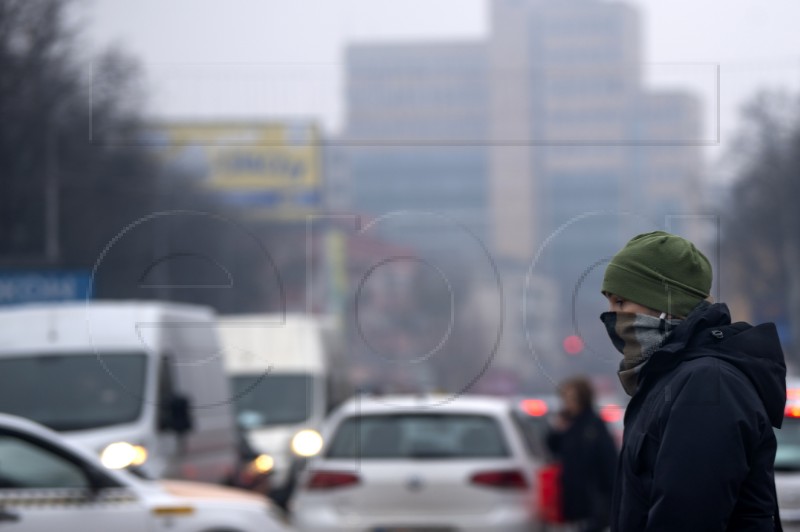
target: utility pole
51 193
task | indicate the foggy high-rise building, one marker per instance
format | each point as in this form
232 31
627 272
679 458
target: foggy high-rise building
542 138
414 112
586 155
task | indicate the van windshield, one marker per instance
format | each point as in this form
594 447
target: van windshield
73 391
272 399
787 457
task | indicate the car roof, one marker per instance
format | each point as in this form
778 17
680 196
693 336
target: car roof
425 404
26 426
76 326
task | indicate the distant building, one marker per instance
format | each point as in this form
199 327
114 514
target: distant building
409 106
542 139
588 156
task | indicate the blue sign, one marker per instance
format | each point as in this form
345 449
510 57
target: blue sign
43 286
275 199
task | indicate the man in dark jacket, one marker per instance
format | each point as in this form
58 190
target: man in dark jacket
698 447
581 442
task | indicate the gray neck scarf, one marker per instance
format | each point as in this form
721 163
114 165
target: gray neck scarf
636 336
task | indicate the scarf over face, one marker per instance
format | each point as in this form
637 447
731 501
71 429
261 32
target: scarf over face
636 336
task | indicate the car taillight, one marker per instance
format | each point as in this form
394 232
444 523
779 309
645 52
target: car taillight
611 413
321 480
533 407
500 479
792 411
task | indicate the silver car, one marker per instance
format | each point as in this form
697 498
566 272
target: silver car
400 463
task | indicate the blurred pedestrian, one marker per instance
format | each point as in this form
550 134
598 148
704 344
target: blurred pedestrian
585 449
698 445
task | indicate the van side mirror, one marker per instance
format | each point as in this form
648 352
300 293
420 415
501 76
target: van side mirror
181 414
176 415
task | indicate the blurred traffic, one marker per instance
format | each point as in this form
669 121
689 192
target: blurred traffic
169 391
337 267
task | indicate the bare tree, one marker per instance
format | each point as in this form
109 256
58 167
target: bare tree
74 174
762 224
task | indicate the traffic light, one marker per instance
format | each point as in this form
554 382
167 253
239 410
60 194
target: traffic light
573 344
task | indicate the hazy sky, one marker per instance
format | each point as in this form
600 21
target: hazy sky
283 57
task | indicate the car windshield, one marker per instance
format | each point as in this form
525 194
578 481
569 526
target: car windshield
787 457
272 399
73 391
418 436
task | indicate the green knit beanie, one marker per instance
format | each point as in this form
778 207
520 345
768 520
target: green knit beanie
661 271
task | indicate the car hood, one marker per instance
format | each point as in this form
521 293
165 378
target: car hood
202 491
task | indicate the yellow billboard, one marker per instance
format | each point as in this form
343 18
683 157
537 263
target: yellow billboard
271 169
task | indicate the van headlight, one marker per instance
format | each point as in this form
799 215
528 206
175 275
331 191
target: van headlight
307 443
121 454
263 463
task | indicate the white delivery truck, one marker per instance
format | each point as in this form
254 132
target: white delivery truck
279 375
140 383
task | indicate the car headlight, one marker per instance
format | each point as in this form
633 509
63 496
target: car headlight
263 463
121 454
307 443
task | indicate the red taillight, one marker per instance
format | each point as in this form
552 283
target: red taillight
792 411
500 479
611 413
533 407
321 480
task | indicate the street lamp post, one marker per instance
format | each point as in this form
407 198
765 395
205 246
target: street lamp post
51 193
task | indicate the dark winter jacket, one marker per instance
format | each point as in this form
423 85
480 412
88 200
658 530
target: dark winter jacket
588 460
699 448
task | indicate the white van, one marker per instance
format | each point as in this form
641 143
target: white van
279 375
140 383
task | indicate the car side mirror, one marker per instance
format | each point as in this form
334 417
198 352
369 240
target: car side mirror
181 414
176 415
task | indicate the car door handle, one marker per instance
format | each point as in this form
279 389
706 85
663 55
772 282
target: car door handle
5 515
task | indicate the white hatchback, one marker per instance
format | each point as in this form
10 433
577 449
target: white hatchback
400 463
48 483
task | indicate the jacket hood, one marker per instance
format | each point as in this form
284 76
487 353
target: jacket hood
755 351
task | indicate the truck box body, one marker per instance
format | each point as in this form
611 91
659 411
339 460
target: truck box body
279 371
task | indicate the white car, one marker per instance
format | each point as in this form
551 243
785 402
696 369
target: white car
787 460
398 463
47 483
